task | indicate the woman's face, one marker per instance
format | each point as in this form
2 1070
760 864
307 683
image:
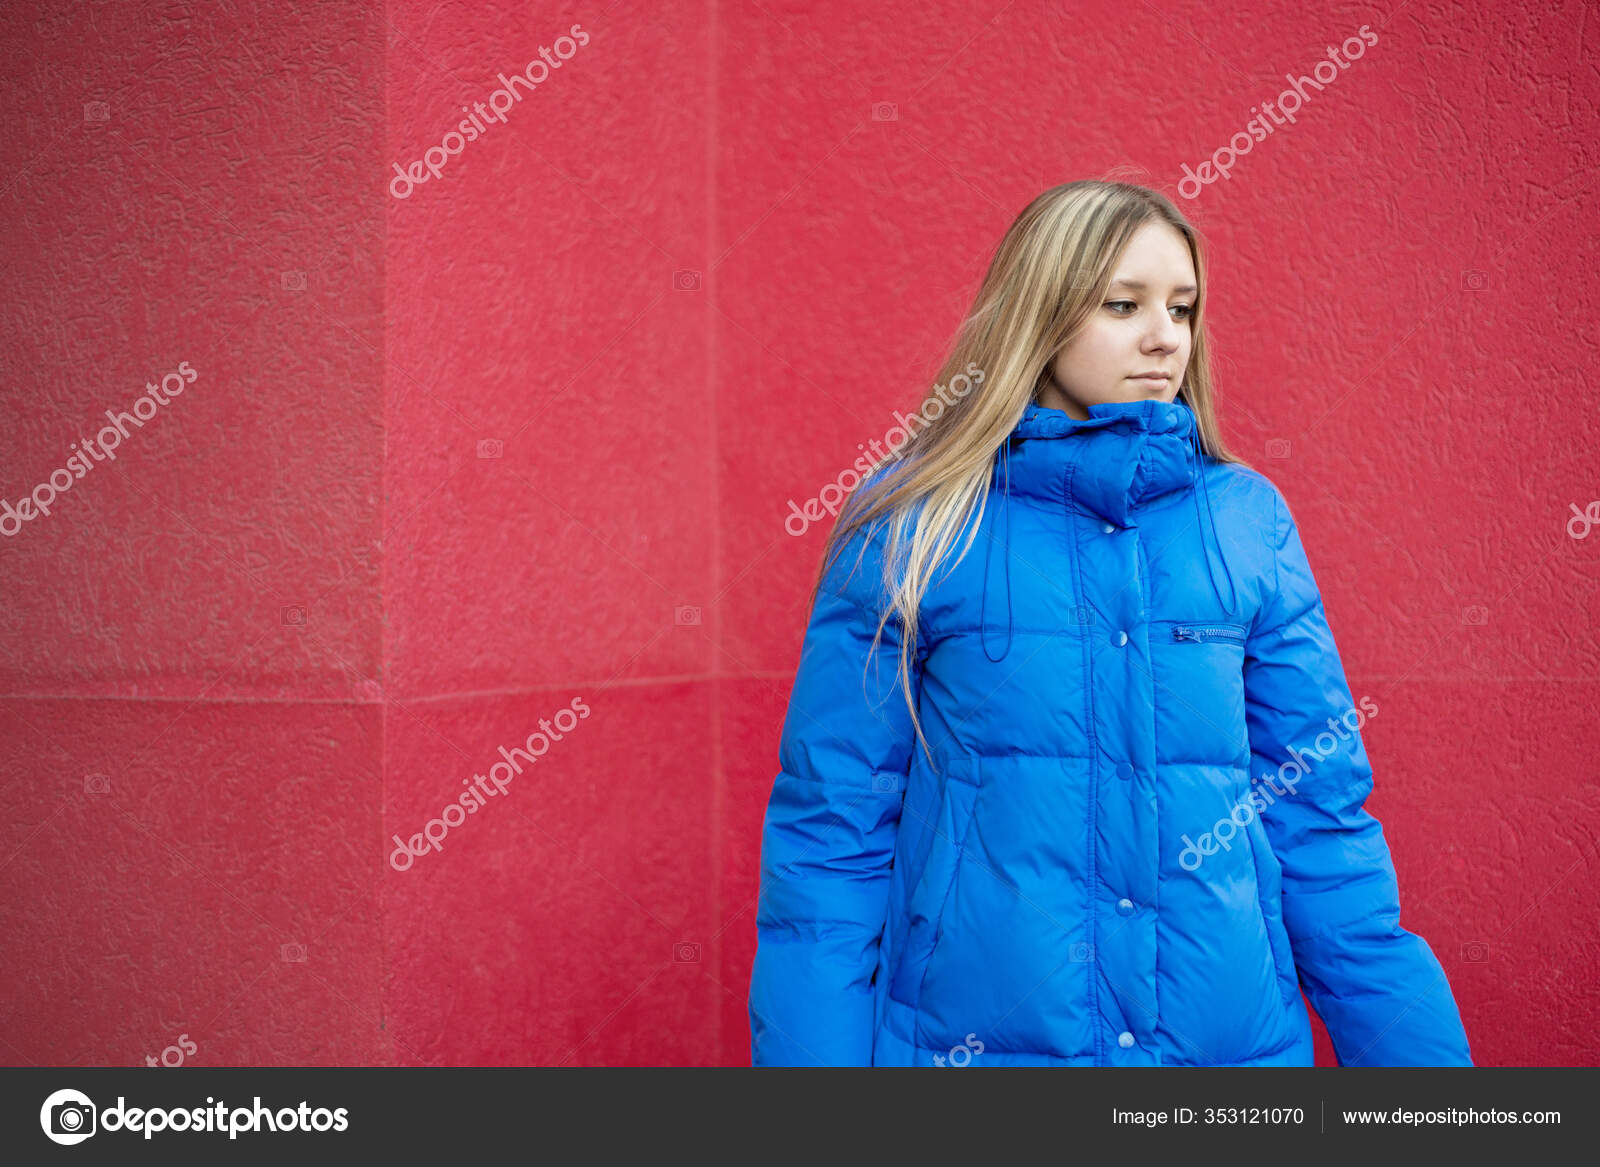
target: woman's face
1141 327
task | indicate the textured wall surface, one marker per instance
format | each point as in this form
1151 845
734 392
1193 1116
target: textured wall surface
191 789
523 440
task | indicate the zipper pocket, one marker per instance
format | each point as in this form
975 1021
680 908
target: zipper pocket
1200 633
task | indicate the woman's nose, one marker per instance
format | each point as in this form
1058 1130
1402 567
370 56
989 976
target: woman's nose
1164 335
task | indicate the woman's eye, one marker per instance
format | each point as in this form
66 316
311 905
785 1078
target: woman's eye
1186 309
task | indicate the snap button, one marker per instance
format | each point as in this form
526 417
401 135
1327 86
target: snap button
1124 907
1125 1039
1122 638
1124 771
1107 528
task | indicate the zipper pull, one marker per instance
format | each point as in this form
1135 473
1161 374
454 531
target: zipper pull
1181 633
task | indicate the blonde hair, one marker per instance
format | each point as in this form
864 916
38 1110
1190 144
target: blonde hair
1050 272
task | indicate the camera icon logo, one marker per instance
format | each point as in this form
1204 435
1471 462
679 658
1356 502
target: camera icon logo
293 281
491 448
885 111
685 952
1082 952
686 614
1278 448
1475 952
293 953
292 614
96 111
68 1117
96 784
686 281
1082 615
1475 614
1473 280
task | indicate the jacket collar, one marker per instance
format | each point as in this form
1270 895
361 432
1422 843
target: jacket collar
1127 454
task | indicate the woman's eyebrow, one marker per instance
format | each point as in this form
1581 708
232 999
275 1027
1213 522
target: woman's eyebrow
1138 285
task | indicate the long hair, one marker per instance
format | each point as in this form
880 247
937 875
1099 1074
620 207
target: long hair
1050 272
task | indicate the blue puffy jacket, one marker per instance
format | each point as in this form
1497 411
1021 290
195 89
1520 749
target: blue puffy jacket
1143 831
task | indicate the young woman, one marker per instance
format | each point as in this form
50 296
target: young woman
1092 796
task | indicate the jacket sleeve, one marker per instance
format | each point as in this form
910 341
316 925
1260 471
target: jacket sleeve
1378 988
829 834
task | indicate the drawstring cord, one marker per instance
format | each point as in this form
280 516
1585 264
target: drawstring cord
983 610
1200 470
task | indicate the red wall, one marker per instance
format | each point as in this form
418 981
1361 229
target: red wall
250 774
